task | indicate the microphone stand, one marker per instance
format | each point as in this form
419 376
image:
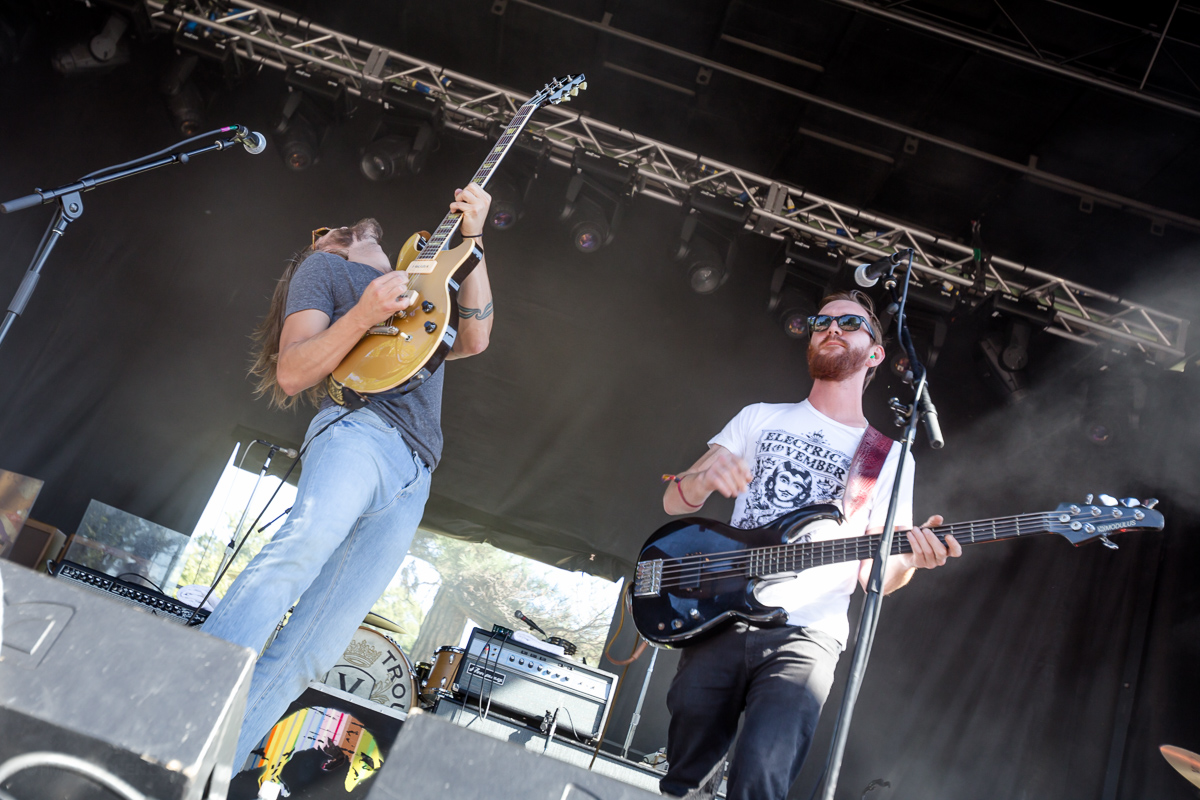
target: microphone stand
70 207
921 409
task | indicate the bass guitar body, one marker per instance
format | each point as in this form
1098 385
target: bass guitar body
403 351
692 581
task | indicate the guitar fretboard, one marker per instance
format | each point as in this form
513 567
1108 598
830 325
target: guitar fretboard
803 555
439 239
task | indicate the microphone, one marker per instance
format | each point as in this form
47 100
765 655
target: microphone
867 275
254 142
528 622
929 416
287 451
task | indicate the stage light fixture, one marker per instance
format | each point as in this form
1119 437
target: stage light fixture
507 207
187 109
706 269
512 183
790 303
591 230
299 144
1115 397
1003 347
707 243
597 194
105 49
394 154
299 130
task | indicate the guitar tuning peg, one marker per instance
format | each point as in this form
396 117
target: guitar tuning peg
566 98
1087 501
575 92
1150 502
583 85
1130 502
1109 543
1107 500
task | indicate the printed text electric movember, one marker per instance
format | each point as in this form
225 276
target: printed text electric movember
815 457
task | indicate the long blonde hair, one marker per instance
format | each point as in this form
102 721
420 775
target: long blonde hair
265 363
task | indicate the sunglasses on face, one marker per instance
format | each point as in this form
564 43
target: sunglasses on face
847 322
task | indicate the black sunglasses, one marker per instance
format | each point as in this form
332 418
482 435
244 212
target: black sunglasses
847 322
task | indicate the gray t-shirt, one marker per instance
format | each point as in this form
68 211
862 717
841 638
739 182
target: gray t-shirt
333 285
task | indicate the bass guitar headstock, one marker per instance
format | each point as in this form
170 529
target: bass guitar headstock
560 90
1083 523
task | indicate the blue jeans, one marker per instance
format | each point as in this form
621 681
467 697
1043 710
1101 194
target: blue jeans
361 495
779 678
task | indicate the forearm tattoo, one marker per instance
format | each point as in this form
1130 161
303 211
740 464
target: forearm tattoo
475 313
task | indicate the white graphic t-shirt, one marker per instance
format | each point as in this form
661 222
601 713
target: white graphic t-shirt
801 457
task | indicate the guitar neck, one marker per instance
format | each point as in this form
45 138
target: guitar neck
803 555
440 238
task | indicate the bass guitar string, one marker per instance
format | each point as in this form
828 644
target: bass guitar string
998 525
686 569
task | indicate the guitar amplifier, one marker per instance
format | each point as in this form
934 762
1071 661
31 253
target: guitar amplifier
522 681
134 594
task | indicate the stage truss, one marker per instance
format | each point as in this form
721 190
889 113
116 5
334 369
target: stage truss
267 36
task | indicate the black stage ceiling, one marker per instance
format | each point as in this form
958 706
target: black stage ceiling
1038 670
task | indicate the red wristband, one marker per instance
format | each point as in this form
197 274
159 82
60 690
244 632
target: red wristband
679 487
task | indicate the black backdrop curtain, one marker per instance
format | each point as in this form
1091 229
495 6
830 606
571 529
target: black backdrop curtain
1010 674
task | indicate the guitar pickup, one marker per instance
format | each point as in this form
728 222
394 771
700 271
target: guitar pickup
647 579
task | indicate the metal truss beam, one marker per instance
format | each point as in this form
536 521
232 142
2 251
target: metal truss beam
1157 216
267 36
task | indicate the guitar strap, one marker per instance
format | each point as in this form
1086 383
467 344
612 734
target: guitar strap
864 470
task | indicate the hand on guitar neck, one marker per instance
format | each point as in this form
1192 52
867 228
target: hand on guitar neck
928 552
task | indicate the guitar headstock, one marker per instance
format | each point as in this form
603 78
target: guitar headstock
1083 523
560 90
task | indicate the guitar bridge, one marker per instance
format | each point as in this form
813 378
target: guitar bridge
647 579
383 330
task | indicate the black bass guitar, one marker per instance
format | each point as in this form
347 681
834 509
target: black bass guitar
695 575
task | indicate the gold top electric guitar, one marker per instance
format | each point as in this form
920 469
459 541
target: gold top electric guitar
404 350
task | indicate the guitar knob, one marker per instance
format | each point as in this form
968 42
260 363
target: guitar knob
427 307
430 327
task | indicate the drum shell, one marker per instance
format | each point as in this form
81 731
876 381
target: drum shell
442 674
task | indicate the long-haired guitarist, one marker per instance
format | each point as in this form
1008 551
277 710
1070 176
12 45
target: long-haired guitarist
366 472
775 458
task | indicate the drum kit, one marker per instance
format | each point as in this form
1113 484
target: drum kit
374 667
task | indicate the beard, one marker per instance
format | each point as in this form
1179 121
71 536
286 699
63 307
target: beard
835 362
338 240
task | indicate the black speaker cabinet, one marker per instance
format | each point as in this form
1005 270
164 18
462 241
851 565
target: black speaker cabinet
151 702
436 759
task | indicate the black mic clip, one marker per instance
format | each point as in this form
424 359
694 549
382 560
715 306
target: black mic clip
254 142
275 448
867 275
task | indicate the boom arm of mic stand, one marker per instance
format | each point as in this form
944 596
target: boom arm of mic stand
70 209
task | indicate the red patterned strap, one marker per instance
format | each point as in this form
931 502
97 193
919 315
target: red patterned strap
864 470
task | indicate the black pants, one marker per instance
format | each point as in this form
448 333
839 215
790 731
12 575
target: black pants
780 678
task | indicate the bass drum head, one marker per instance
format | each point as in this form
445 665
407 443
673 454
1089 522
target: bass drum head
375 669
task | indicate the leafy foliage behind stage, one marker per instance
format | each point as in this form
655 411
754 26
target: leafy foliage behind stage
485 585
